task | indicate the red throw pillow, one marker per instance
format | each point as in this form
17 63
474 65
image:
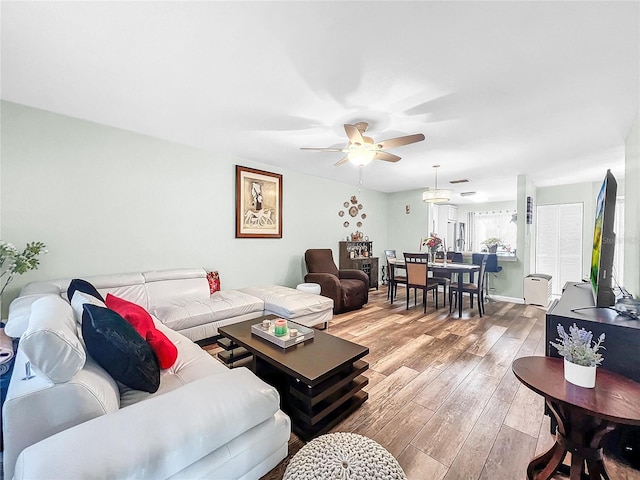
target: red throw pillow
133 313
139 318
164 348
214 282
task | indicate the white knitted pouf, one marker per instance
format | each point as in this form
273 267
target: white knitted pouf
343 456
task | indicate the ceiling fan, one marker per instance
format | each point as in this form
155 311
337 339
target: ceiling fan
361 150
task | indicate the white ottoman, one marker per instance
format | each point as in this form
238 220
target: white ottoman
309 287
343 456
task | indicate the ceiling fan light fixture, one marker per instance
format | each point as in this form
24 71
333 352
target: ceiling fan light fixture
361 157
361 149
436 195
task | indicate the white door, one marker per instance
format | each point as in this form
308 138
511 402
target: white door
559 243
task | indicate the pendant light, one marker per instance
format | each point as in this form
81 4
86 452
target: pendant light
436 195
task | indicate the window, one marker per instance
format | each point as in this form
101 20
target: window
500 224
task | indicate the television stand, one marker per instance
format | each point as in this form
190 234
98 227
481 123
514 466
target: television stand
622 343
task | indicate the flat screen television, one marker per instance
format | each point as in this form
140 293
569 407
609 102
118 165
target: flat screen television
604 240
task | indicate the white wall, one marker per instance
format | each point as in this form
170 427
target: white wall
632 207
406 230
106 200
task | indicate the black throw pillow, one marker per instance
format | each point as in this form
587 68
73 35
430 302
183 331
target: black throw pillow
77 284
119 349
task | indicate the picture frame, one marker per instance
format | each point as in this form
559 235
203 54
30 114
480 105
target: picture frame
258 203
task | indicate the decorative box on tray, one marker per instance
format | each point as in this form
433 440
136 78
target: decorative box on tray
286 340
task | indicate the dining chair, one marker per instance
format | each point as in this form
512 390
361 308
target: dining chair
393 277
418 278
471 288
444 279
455 257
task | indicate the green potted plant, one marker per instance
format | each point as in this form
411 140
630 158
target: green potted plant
13 262
492 244
581 355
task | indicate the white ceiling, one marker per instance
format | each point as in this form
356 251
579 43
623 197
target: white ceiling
548 89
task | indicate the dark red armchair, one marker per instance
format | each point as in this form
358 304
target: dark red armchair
349 289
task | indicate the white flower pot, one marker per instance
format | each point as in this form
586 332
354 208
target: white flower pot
580 375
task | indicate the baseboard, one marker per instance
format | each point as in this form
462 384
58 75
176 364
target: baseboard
507 299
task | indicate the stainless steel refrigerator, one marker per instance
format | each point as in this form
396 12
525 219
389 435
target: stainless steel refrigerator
456 236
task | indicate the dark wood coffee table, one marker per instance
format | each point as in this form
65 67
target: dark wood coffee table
319 381
584 415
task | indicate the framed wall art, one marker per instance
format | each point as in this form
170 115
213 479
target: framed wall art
258 203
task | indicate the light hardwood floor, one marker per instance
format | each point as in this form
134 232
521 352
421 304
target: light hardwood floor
442 397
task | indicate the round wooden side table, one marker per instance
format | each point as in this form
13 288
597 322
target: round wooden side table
584 415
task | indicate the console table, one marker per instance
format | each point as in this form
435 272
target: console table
622 344
583 415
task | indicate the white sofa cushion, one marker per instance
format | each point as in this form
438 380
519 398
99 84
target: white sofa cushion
129 286
220 306
192 364
289 302
51 340
173 287
79 299
157 438
38 408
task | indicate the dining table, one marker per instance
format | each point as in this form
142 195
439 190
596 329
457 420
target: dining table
459 268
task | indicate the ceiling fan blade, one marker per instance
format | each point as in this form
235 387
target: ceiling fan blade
355 137
344 160
361 126
386 156
325 149
399 141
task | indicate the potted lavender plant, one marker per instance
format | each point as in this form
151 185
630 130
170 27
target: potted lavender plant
581 356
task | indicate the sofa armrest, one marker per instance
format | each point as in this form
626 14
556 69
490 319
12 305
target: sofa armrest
329 285
353 274
19 314
158 437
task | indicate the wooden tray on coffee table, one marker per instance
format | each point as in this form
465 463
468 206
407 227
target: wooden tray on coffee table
285 341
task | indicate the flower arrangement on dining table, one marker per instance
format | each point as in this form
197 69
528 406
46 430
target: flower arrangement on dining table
432 242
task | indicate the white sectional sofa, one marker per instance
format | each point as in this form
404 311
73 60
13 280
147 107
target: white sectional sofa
180 299
204 421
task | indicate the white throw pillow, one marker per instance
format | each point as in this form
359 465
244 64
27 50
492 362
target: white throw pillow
51 340
79 299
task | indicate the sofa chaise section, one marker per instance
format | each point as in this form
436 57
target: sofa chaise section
206 429
304 308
